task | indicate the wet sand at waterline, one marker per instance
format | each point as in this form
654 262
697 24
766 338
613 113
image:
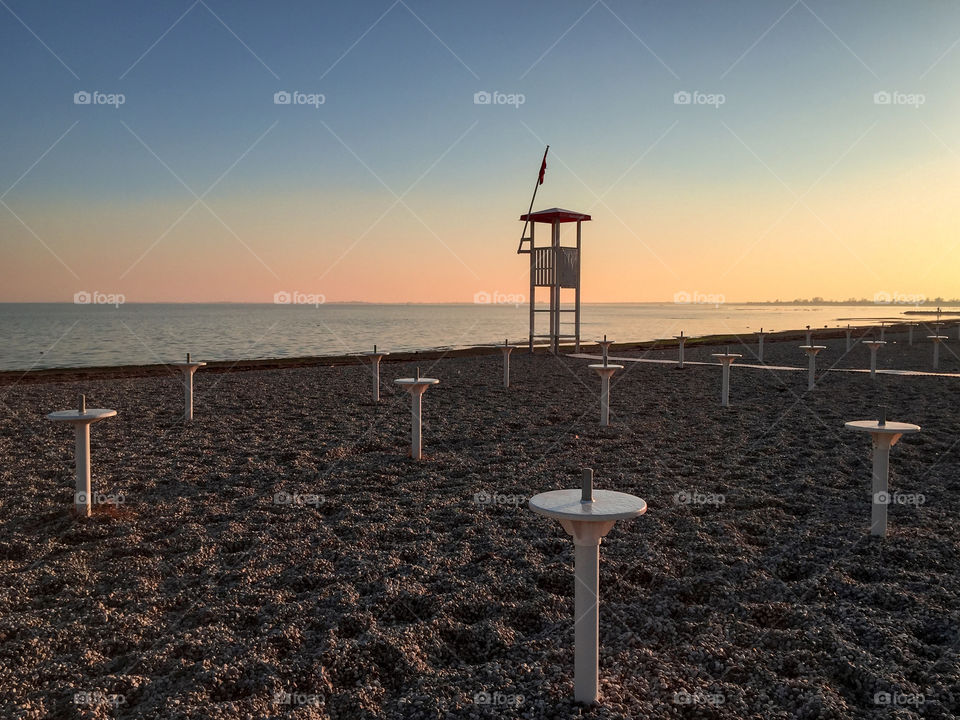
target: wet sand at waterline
282 555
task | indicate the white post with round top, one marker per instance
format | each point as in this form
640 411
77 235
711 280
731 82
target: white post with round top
375 357
726 360
416 386
874 345
587 515
760 345
910 327
811 351
884 435
81 419
605 347
506 349
188 368
605 372
848 337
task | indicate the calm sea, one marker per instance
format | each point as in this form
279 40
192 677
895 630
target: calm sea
46 335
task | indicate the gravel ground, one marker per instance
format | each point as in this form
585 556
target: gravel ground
282 556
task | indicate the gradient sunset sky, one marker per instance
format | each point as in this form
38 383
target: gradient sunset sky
400 188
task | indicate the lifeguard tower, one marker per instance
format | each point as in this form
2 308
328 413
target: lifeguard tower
557 267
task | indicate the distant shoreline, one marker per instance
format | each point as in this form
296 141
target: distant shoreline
109 372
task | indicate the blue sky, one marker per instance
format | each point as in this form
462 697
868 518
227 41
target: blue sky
399 78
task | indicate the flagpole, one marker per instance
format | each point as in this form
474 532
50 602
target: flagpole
530 210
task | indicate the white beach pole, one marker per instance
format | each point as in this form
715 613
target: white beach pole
910 327
874 345
760 345
884 435
506 349
188 368
811 351
82 419
937 339
605 372
726 360
375 358
416 386
682 340
848 337
882 328
587 515
809 335
605 346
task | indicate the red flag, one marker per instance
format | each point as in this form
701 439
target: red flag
543 168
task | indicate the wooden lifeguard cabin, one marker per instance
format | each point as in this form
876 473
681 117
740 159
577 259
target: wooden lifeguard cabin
557 267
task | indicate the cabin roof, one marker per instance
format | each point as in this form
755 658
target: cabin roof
555 215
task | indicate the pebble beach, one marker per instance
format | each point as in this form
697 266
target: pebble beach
283 556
